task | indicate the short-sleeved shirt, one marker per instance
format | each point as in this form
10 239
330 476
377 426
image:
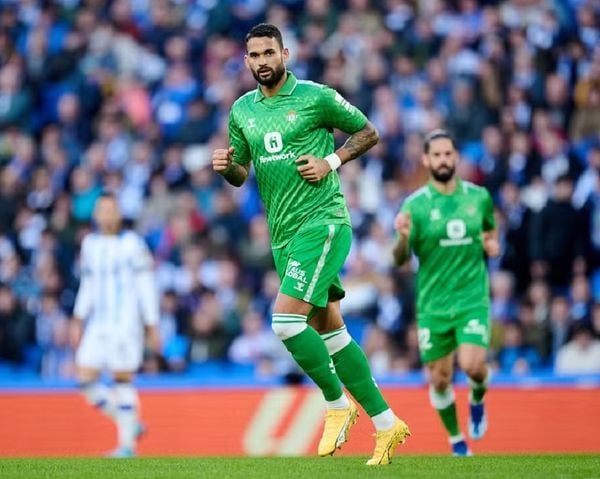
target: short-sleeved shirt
447 238
273 132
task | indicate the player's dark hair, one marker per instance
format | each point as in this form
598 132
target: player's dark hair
265 30
436 135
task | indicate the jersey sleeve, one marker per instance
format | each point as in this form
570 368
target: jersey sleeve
237 139
337 112
489 222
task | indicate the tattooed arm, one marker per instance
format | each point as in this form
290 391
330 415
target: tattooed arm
358 143
314 169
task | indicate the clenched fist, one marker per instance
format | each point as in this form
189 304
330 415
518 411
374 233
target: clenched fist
222 159
402 224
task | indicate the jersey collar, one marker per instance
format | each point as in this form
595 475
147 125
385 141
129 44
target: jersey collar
286 90
459 188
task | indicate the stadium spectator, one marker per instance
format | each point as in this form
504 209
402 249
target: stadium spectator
124 94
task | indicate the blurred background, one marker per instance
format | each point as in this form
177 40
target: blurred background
132 96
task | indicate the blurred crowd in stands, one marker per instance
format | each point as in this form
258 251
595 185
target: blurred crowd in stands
132 96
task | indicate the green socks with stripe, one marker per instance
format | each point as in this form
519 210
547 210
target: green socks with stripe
353 369
445 405
478 390
309 351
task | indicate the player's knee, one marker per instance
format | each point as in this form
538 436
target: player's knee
441 382
93 394
285 330
475 370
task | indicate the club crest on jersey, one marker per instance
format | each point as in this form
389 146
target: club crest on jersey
470 210
435 214
292 116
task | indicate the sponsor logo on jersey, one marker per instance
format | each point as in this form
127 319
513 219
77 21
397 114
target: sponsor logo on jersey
456 231
273 142
435 214
282 156
474 326
292 116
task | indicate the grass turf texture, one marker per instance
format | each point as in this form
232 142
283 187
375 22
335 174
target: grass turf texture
413 467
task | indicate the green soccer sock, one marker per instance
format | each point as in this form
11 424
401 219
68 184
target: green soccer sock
444 404
478 390
309 351
353 369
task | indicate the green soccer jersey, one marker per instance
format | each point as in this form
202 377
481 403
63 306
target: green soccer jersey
446 236
273 132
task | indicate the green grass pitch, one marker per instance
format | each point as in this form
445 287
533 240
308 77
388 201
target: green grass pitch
410 467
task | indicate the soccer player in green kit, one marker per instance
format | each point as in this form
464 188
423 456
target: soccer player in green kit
449 224
285 128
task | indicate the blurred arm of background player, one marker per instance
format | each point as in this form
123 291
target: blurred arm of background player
148 298
491 245
401 250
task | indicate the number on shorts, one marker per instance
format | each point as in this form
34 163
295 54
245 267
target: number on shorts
425 339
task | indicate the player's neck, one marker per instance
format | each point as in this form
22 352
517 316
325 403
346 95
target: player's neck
446 188
272 91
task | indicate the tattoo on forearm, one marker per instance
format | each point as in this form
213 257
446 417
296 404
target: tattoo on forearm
361 141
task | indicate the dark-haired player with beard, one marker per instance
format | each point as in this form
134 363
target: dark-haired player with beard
449 225
285 129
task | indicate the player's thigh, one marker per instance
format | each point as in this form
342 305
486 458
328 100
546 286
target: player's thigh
440 371
472 360
436 338
327 319
313 260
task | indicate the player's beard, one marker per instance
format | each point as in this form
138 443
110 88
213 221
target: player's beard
443 173
272 79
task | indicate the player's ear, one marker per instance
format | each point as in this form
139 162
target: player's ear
425 160
246 61
286 54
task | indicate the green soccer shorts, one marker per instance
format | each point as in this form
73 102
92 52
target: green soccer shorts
309 265
439 336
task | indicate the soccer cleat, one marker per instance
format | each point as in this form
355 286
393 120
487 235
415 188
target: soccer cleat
477 421
386 441
337 427
122 452
460 449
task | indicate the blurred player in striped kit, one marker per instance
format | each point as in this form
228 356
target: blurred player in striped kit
116 304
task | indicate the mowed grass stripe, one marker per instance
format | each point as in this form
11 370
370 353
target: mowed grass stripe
413 467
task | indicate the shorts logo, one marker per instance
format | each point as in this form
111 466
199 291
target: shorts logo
474 326
425 343
273 142
294 271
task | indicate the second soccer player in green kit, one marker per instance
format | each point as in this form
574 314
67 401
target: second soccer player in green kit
285 129
449 225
